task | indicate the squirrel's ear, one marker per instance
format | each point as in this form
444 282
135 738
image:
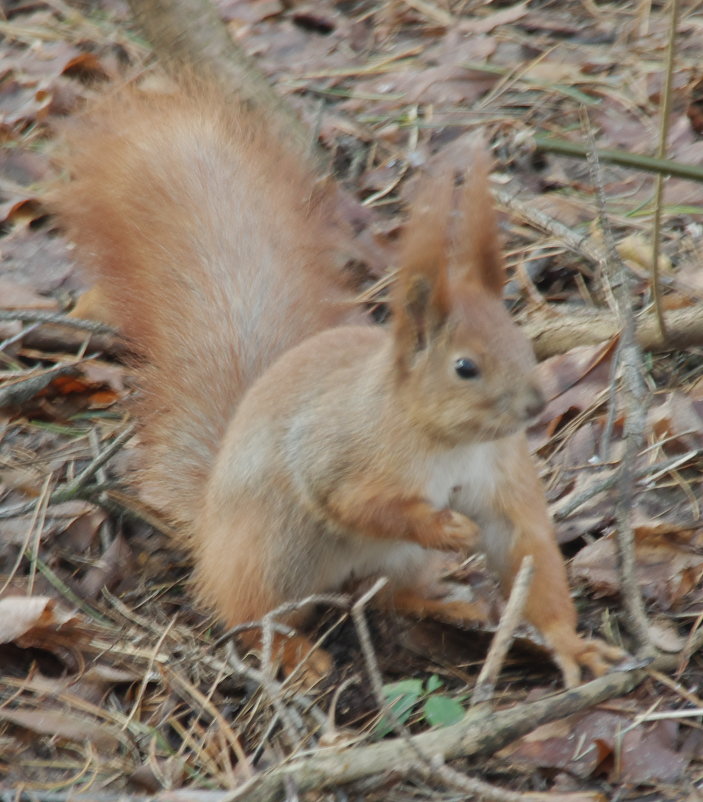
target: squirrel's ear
478 255
420 301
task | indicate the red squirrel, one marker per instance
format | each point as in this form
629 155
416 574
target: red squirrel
295 445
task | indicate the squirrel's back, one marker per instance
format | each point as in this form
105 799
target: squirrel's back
216 247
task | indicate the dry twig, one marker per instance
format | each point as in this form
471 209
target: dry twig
429 764
29 316
628 359
649 471
509 622
74 488
580 244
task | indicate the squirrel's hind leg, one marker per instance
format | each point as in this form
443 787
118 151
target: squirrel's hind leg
233 576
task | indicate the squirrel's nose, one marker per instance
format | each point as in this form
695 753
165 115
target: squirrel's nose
534 403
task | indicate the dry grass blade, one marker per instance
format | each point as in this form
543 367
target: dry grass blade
665 116
636 161
73 489
431 11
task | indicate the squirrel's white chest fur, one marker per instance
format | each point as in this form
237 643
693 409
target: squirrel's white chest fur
472 471
464 478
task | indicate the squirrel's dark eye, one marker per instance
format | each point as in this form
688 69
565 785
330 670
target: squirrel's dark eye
466 368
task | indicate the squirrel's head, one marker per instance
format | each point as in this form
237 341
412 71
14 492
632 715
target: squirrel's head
465 370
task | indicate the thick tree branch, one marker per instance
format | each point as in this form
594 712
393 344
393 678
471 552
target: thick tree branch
561 332
477 733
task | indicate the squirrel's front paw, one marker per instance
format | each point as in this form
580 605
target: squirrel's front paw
573 653
455 532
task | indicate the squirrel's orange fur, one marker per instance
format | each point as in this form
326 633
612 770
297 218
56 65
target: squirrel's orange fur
296 447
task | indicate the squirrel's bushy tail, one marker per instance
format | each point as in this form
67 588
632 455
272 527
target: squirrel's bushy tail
215 247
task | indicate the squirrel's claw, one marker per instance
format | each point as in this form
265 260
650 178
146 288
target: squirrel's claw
573 653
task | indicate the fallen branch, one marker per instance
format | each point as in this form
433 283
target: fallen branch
632 405
562 332
477 733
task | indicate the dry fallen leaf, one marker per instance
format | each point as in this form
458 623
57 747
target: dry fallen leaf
109 571
59 723
562 373
669 561
638 250
160 773
27 619
91 685
571 382
665 636
602 742
39 622
43 263
678 421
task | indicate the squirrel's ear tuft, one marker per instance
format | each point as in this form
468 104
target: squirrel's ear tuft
421 301
477 250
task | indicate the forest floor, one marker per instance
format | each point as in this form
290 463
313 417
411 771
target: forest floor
112 680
